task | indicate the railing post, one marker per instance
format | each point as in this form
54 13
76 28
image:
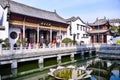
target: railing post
44 45
55 45
21 48
59 59
29 47
14 68
40 62
0 48
82 54
90 53
72 56
11 48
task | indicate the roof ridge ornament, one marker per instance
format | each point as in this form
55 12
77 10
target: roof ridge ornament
55 11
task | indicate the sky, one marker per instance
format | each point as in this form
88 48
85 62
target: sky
87 10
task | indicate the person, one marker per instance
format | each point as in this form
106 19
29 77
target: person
58 42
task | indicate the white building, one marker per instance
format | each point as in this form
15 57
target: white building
77 30
114 22
3 23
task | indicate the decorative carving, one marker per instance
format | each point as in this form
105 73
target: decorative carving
13 35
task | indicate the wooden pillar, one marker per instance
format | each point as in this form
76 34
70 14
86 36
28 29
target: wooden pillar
51 36
94 39
102 38
60 37
24 28
38 34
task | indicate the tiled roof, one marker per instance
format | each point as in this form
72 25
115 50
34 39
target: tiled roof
22 9
98 22
114 20
74 19
98 31
71 19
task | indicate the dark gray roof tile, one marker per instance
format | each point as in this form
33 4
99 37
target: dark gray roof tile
22 9
98 22
114 20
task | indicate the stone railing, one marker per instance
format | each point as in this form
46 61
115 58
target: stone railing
29 50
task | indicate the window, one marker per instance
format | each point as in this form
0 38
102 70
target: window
78 35
77 26
84 35
81 27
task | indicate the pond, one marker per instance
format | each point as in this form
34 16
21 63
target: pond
102 70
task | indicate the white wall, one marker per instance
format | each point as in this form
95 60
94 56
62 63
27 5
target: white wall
109 41
4 33
17 30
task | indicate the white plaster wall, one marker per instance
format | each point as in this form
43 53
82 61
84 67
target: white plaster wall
17 30
109 41
114 40
4 33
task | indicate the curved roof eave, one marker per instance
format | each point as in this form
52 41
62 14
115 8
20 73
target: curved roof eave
34 12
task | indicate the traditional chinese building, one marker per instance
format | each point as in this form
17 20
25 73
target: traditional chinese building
35 25
100 32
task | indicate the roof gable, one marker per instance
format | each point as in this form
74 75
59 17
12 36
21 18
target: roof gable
73 19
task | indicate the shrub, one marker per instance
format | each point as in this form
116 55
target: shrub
6 41
1 40
66 41
118 42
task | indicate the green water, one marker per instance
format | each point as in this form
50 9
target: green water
39 74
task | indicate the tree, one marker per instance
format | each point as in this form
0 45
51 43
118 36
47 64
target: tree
116 29
66 41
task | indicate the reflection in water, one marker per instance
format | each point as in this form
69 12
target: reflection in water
100 68
44 74
116 75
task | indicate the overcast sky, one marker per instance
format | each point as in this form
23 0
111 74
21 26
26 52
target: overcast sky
87 10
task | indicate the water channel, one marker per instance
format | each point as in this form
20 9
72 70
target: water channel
38 74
